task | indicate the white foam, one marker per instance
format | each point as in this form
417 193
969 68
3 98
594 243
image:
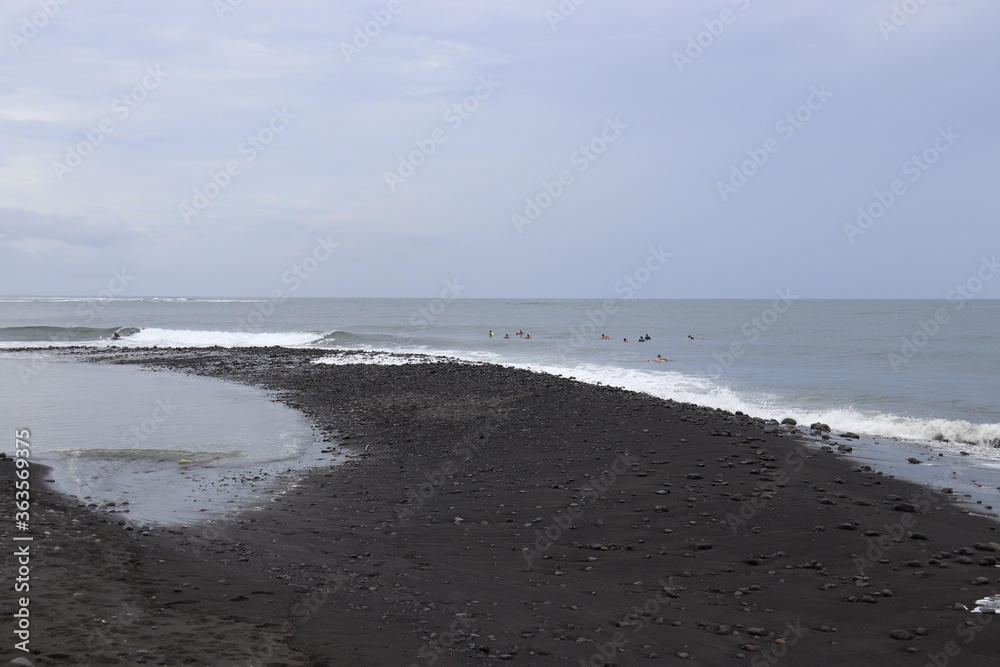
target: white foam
381 359
660 381
989 605
192 338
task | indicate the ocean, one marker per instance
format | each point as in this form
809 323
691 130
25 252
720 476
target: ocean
907 375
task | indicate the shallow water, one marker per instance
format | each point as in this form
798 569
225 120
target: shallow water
154 447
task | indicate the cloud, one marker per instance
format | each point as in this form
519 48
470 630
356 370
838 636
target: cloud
356 117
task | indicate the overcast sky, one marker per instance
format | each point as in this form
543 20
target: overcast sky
209 148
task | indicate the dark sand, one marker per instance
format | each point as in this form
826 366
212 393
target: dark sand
492 515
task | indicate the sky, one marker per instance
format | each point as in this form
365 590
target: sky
524 148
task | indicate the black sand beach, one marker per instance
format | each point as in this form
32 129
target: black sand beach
492 515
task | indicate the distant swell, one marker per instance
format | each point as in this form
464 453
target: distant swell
42 336
55 334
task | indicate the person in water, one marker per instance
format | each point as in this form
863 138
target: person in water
527 336
492 334
506 336
605 337
658 358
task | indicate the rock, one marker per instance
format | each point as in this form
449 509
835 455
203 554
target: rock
818 426
851 435
916 536
913 460
757 632
901 635
905 507
789 421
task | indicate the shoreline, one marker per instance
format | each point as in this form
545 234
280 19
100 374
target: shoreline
975 481
492 513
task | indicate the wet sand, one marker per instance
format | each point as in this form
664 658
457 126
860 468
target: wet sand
494 515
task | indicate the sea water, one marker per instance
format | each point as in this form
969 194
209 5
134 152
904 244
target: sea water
153 447
906 375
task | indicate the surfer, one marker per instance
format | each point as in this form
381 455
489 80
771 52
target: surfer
492 334
115 336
